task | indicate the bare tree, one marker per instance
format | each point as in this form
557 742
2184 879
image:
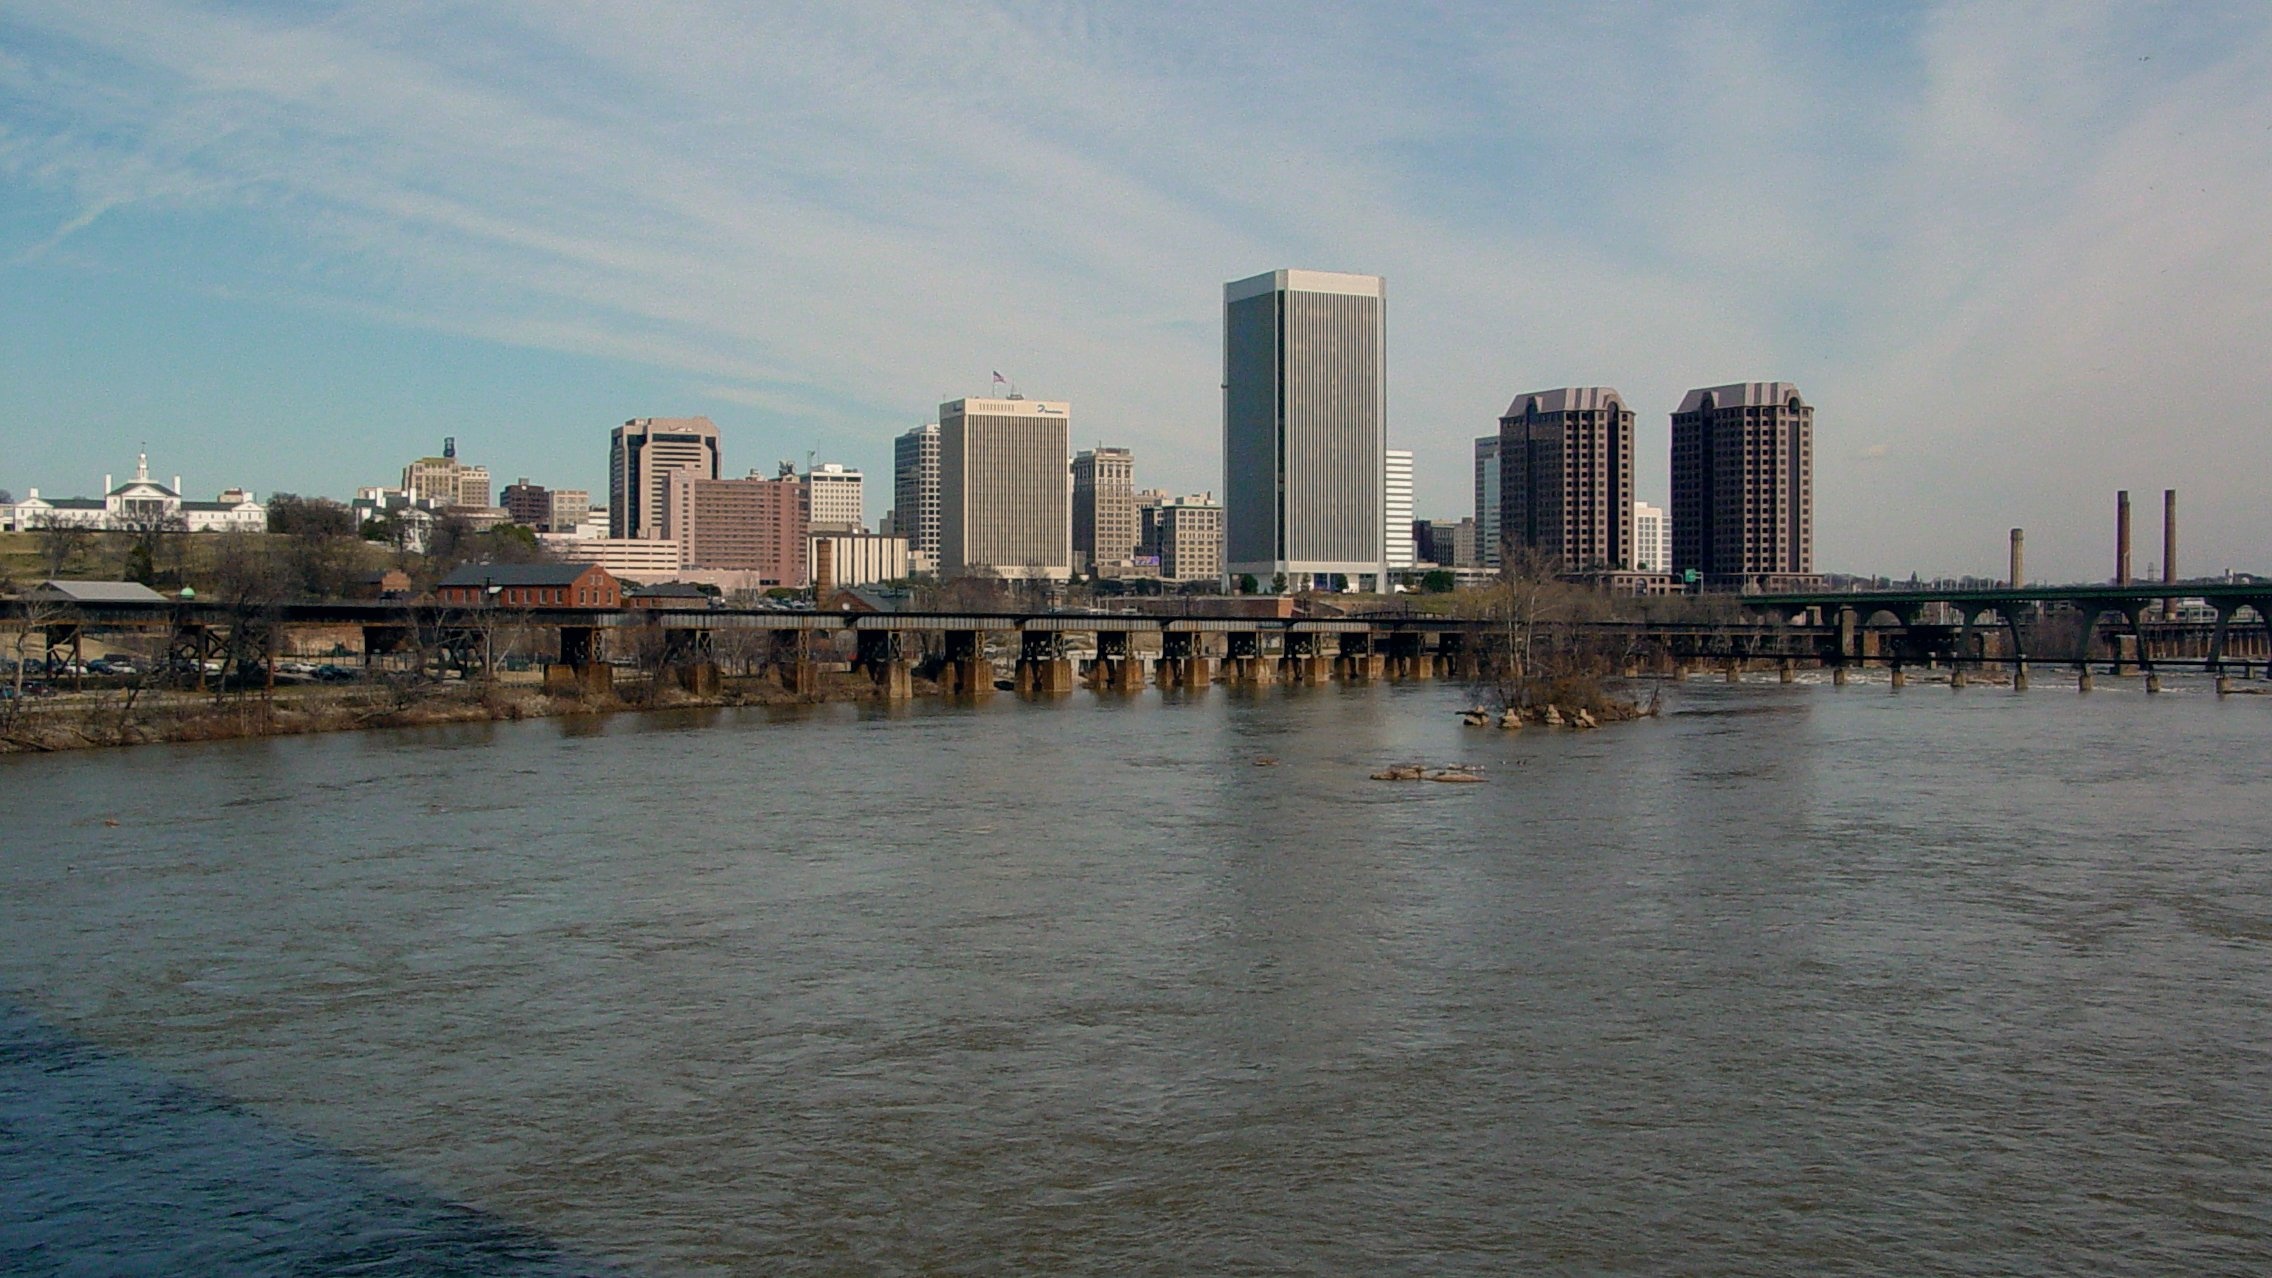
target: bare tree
250 585
152 538
61 539
27 642
1540 643
321 541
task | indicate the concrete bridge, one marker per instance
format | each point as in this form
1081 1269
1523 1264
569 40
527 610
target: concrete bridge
2126 625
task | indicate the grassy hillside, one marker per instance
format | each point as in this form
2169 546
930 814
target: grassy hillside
103 558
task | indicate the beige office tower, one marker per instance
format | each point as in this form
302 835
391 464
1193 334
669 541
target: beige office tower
1004 495
446 481
1104 507
839 498
642 453
1190 536
1566 477
1743 486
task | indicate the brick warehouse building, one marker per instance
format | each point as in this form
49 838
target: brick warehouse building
543 585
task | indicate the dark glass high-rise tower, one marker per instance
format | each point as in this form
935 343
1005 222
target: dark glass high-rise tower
1305 426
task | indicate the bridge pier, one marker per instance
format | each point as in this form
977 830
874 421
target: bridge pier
1115 667
1787 672
2083 680
1045 676
1183 661
1900 677
1454 656
1043 668
1355 661
793 664
1957 677
964 670
1838 675
569 679
1243 660
1406 657
880 655
2019 676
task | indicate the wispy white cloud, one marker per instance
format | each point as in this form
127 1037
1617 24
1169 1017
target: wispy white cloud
1987 232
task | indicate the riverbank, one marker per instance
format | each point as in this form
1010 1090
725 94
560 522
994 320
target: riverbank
115 718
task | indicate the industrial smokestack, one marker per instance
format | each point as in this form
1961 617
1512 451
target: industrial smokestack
2122 538
2019 558
824 570
2169 549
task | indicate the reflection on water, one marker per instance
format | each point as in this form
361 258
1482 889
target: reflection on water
113 1170
1793 979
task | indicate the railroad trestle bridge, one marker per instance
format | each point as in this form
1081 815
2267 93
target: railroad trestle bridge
2123 629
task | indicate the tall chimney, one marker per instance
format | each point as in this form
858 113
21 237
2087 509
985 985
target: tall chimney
2019 558
2169 549
2122 538
824 570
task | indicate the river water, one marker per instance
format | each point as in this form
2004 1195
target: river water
1792 979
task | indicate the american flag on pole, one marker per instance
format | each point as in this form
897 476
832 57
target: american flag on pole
999 379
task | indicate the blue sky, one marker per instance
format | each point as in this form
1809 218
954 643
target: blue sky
2017 255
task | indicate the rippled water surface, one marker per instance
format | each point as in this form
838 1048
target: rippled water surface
1801 980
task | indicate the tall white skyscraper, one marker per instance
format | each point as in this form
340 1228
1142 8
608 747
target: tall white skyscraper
1652 538
1487 499
1005 494
1305 427
1397 472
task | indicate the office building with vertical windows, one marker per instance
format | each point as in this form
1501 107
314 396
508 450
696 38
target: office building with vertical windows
1305 428
1004 490
1487 499
1188 532
915 495
839 498
1104 507
642 453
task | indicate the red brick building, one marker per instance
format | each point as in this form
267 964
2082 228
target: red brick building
531 586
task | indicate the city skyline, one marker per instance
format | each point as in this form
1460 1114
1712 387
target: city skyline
1992 230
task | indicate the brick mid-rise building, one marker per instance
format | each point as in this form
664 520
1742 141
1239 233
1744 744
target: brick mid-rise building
752 525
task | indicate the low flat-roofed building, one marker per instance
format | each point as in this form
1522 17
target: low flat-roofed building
636 558
861 559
